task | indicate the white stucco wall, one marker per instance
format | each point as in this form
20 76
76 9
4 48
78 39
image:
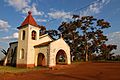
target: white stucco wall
28 44
43 50
55 46
22 44
32 43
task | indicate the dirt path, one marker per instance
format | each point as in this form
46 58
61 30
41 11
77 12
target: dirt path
81 71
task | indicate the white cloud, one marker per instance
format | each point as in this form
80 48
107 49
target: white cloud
94 8
4 25
18 4
114 38
41 20
60 14
33 9
14 36
24 6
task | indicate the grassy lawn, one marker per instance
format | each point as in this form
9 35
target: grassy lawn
10 69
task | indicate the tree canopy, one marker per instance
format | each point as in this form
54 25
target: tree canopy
85 35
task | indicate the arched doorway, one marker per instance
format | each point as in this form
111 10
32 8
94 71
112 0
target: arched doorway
41 60
61 57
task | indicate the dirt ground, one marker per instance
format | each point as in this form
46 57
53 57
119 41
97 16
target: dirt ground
76 71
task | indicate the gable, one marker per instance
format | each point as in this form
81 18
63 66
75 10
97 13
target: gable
60 42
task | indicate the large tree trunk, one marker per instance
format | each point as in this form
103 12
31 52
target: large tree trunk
5 60
86 50
86 57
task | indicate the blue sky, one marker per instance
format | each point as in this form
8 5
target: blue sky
13 12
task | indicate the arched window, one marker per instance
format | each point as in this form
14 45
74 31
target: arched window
22 54
23 35
33 35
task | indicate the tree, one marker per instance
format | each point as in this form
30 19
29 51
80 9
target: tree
4 51
84 35
70 35
42 30
54 34
106 51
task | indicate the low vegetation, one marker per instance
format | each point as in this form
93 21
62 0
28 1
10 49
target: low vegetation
10 69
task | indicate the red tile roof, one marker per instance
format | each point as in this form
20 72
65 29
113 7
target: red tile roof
29 20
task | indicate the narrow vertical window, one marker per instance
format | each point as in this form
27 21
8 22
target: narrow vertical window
23 35
33 35
22 54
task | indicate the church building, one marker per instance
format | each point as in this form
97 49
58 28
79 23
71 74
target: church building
36 49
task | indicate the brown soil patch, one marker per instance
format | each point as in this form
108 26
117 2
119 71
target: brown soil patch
78 71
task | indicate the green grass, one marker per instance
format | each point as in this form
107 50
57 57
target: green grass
10 69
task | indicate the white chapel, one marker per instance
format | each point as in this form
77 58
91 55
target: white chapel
34 49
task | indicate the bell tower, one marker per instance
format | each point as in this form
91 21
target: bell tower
28 34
